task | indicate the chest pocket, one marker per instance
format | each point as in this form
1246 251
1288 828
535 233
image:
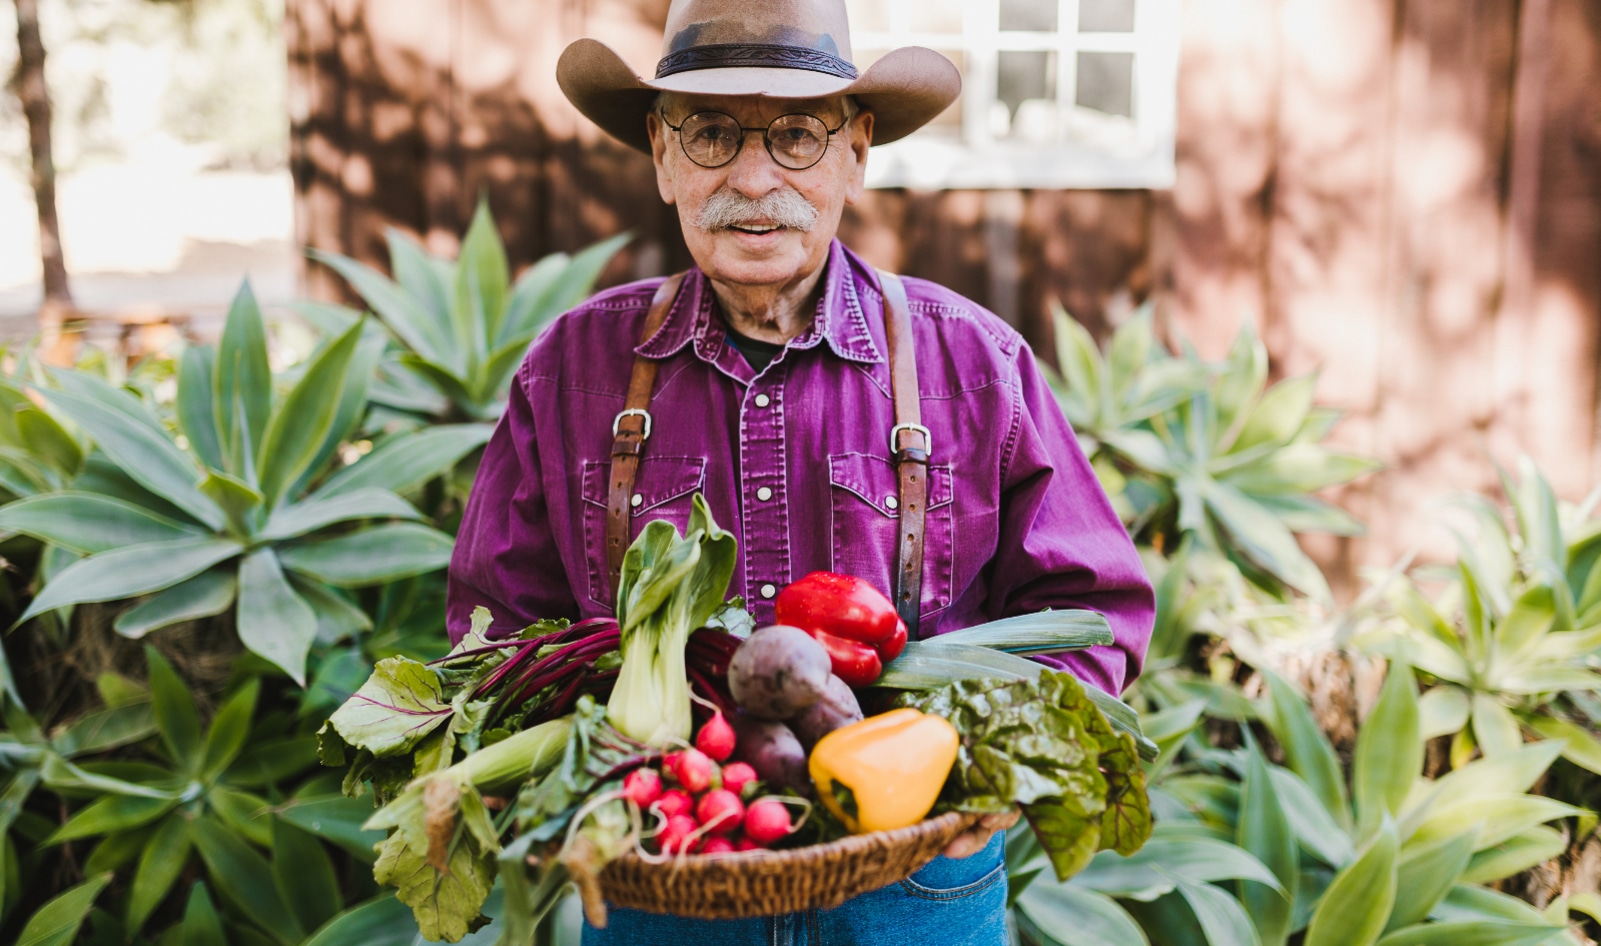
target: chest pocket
866 525
663 489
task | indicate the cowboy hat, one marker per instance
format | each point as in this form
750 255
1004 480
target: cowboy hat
796 49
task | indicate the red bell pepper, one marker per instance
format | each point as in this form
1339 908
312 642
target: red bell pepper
853 621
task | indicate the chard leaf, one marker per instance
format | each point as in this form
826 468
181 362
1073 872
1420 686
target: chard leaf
1046 747
448 905
401 702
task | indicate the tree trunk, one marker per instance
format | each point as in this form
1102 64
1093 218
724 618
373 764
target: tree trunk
35 97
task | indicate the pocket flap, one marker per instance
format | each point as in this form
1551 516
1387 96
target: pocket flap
873 480
659 480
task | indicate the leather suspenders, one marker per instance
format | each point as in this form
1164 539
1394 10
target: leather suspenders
631 429
911 461
629 432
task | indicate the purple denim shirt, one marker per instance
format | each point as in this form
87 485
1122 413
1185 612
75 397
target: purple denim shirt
795 462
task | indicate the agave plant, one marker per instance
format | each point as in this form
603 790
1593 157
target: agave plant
1249 852
1208 451
37 453
1512 642
196 800
245 509
459 328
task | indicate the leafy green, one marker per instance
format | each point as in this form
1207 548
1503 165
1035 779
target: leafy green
670 585
401 703
442 845
930 665
1046 748
583 788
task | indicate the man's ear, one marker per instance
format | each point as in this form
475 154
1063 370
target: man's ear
658 153
861 140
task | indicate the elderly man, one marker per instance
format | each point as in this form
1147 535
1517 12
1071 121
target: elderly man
835 418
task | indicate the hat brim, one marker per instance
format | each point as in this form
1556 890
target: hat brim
905 89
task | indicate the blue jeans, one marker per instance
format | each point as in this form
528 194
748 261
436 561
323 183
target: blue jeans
947 903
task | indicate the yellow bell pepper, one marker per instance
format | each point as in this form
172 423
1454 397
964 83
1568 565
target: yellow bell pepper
886 771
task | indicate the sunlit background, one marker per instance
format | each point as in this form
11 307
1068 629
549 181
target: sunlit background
171 138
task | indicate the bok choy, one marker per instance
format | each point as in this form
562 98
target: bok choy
670 585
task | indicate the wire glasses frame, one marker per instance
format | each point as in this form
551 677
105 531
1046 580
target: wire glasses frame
796 141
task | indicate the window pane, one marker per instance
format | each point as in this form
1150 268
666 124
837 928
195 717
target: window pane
1106 16
868 16
1027 85
938 16
1028 15
1105 82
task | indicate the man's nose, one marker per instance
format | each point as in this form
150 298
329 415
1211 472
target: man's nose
753 172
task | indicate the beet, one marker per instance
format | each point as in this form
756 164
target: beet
773 751
836 709
777 672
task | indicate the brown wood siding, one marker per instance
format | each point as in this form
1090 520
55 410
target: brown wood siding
1403 195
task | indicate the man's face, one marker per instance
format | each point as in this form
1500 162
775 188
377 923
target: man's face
737 250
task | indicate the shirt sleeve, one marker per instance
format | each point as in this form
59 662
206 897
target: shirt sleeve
505 556
1061 544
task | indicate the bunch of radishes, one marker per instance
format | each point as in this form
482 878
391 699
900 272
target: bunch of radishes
701 805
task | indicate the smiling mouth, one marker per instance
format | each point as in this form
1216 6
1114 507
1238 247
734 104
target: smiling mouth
756 228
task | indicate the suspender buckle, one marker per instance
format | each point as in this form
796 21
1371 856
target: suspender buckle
636 411
895 434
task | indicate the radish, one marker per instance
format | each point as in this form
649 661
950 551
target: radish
675 802
716 738
695 771
767 821
717 845
644 786
720 811
678 835
746 844
739 778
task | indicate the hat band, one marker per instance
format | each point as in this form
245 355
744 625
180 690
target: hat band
760 55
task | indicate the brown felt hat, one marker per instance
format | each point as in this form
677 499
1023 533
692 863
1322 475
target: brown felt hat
795 49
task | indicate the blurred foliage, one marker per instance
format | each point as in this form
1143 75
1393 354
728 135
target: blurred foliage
160 808
1210 451
458 329
1265 834
246 507
1247 851
1511 639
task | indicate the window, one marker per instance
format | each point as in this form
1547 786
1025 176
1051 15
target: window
1055 93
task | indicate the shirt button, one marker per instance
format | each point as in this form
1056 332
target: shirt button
891 502
764 494
763 400
768 591
636 500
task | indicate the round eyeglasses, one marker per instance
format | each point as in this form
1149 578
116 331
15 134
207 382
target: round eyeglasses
712 139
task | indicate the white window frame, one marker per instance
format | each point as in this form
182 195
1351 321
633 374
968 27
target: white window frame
936 159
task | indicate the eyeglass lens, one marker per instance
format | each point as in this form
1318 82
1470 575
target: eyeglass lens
711 139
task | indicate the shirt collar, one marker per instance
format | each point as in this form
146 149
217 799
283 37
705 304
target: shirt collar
840 320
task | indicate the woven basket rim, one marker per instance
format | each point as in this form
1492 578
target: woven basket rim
766 883
954 822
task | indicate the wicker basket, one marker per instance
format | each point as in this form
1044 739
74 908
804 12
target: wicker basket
762 883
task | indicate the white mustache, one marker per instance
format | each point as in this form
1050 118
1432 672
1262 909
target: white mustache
727 208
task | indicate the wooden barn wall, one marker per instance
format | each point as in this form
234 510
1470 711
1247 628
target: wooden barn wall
1403 195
